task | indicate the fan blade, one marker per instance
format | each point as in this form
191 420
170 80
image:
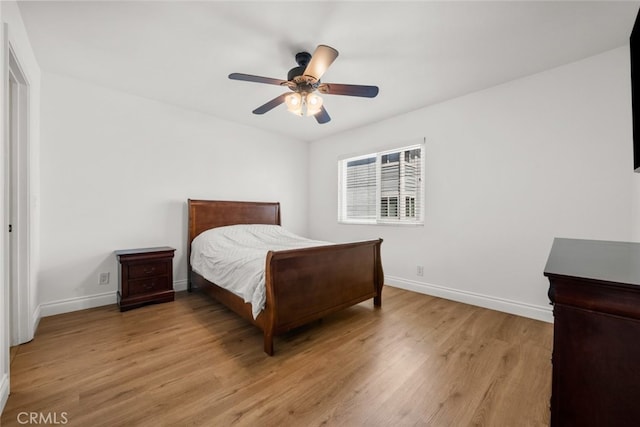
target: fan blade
349 90
256 79
271 104
321 59
322 116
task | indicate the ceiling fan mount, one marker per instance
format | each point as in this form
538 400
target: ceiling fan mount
303 58
304 81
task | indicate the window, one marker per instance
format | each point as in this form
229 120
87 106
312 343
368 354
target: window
384 187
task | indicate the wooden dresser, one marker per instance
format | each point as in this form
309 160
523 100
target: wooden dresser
145 276
595 291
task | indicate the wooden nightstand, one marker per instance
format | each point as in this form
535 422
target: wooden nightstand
145 276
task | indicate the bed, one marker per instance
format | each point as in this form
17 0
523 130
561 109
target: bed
302 285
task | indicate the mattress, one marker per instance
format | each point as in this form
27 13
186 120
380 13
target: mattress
234 257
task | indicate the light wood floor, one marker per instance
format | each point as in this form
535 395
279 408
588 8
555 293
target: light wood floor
418 360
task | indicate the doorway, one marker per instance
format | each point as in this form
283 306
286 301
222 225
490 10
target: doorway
16 200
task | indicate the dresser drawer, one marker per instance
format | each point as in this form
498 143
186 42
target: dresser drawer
145 286
148 269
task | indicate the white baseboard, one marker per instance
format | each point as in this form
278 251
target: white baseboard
81 303
78 303
508 306
180 285
537 312
4 390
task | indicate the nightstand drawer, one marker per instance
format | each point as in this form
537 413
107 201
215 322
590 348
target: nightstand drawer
144 286
148 269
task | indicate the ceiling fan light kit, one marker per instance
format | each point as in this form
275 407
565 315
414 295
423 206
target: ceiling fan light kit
303 104
304 81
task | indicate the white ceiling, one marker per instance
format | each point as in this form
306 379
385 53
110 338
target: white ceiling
418 53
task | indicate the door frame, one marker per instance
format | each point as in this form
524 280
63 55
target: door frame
16 196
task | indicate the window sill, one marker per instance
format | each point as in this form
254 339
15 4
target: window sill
391 223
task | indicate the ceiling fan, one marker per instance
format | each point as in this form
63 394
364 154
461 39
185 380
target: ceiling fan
304 81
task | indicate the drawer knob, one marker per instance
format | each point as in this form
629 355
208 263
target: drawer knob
149 270
150 286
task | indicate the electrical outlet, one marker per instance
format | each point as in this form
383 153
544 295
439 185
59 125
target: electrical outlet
420 270
104 278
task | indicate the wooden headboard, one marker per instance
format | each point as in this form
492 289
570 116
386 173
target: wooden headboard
207 214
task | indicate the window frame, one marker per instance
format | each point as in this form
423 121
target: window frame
418 205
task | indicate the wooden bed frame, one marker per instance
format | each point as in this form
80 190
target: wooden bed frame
302 285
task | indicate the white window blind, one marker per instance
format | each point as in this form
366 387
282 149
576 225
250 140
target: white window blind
361 184
382 187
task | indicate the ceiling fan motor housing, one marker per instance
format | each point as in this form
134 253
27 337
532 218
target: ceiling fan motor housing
295 72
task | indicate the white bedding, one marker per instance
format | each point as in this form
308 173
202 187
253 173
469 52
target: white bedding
234 257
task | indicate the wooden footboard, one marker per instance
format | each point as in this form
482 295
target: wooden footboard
306 284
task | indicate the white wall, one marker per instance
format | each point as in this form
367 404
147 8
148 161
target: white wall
507 170
117 171
17 38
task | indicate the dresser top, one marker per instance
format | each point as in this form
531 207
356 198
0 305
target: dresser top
617 262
